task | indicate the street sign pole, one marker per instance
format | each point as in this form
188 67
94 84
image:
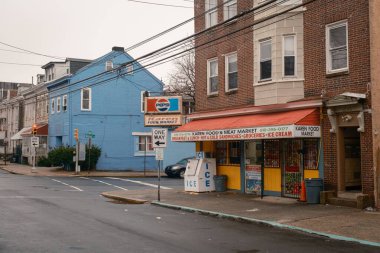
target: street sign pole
77 170
159 181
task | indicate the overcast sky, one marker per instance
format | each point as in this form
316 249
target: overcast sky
84 29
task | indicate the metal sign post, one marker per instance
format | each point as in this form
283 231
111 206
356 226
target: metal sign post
35 141
159 158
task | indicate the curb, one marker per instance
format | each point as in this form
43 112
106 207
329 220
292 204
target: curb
127 200
265 222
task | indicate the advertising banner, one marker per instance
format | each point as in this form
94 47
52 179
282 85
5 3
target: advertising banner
158 105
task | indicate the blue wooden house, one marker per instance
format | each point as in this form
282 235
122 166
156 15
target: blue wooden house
110 107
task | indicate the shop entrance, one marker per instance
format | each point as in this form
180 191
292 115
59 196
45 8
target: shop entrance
292 168
350 160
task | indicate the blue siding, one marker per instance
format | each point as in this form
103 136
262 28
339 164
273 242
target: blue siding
115 114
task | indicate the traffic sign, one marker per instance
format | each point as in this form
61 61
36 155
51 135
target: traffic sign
35 141
159 136
159 154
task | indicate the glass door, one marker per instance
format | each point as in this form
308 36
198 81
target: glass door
253 166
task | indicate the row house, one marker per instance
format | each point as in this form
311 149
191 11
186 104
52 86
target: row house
103 102
11 113
35 106
283 93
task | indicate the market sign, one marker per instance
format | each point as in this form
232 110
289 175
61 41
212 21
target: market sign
272 132
163 120
163 105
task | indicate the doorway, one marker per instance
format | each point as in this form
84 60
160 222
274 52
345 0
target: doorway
351 160
292 168
253 167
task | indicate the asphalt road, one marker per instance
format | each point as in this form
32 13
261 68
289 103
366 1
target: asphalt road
40 214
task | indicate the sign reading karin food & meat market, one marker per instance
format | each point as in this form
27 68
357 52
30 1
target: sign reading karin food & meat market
273 132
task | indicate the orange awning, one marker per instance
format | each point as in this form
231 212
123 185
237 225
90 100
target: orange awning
254 126
42 130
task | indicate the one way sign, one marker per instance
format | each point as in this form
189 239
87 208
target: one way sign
159 137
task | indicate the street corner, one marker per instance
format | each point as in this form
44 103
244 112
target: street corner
124 197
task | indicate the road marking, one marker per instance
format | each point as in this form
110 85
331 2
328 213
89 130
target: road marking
140 182
99 181
74 187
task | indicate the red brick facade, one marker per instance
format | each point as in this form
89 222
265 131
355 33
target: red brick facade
240 42
356 79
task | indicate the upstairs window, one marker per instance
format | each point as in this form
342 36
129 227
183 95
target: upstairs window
86 99
231 72
211 13
337 44
64 103
52 105
212 77
58 104
289 55
266 60
109 65
129 69
230 9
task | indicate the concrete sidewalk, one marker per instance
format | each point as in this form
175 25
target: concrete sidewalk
59 172
335 222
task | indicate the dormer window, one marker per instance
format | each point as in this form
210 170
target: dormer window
109 65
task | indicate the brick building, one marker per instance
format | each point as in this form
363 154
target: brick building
300 78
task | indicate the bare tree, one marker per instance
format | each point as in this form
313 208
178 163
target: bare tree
182 79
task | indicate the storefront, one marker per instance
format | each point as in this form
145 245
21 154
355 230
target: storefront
264 154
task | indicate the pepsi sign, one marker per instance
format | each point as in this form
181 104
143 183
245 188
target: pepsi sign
163 105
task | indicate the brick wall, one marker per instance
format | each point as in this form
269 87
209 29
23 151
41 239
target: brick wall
241 42
317 82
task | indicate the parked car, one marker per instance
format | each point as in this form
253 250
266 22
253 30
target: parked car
178 169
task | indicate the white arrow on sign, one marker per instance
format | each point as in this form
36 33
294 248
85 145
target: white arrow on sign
159 136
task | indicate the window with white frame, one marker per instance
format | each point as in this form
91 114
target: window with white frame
265 59
143 95
52 105
58 104
109 65
129 69
231 72
212 76
289 55
337 45
211 13
86 99
145 143
64 103
230 9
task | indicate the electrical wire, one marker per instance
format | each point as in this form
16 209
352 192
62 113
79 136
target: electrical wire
45 55
149 65
166 5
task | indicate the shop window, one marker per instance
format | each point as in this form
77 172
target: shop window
272 153
311 154
228 152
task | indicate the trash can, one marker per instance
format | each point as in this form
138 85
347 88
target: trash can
313 188
220 183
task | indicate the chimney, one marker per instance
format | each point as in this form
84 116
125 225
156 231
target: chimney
118 49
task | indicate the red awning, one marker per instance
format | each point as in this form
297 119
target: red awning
306 117
42 130
289 124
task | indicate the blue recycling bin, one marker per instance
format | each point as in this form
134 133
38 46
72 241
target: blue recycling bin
314 186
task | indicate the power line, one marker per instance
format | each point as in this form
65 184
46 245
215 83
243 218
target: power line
178 54
22 64
25 50
167 5
174 27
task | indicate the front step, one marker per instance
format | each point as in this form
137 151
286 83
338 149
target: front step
360 201
343 202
